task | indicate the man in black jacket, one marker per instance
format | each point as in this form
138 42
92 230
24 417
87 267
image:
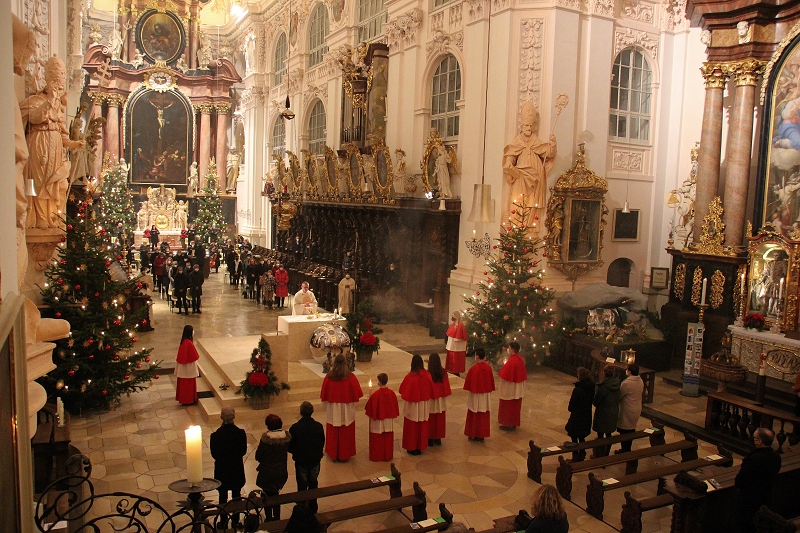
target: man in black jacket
196 280
228 447
756 476
180 282
308 440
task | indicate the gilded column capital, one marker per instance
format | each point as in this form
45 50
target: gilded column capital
715 74
96 98
222 108
114 100
747 71
205 108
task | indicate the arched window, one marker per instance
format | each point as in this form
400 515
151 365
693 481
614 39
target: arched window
631 95
446 90
371 16
317 35
279 137
279 64
316 129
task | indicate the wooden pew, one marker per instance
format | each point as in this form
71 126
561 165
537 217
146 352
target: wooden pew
687 447
417 501
510 524
536 453
768 522
444 521
632 509
595 491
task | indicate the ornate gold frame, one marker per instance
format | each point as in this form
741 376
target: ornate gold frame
712 233
788 313
280 168
312 178
578 183
434 142
379 146
333 181
355 186
295 174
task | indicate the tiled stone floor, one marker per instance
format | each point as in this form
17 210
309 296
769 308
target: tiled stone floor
139 447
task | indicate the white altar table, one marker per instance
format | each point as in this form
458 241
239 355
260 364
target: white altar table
748 344
299 329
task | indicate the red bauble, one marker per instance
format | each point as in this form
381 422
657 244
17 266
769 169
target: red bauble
508 304
156 376
139 285
91 357
117 323
108 264
134 339
102 232
138 366
105 392
77 287
544 254
485 273
60 281
63 261
144 321
116 358
97 294
524 297
127 377
513 211
108 347
90 341
63 239
119 258
71 372
495 247
69 227
58 314
146 359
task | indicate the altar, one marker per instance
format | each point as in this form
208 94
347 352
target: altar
299 329
747 345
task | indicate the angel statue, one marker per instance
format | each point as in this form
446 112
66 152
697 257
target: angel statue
399 172
193 180
443 173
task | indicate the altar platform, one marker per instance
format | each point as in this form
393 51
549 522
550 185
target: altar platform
173 237
225 360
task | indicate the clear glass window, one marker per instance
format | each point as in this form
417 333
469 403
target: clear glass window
316 129
318 35
279 63
631 94
445 92
279 137
372 15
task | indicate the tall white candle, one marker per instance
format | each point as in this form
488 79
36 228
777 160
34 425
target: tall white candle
194 454
742 286
60 411
474 234
703 296
780 290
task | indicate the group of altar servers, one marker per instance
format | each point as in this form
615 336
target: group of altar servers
424 394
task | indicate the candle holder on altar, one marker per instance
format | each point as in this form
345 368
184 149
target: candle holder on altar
702 313
628 356
195 502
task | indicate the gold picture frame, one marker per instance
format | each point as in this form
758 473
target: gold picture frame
331 174
355 170
294 174
312 172
432 146
380 152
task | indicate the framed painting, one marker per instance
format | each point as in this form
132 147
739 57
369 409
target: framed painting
584 230
159 128
160 36
626 225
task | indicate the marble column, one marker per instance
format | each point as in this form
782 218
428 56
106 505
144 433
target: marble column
111 133
97 111
221 147
204 134
740 143
716 75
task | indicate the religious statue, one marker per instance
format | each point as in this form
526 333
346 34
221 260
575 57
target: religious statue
370 173
47 138
232 172
182 215
78 156
191 190
138 59
142 217
526 163
399 172
182 65
443 173
115 43
95 34
204 56
249 50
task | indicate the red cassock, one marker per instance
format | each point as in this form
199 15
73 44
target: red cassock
512 389
437 420
186 373
281 283
340 430
479 384
416 391
456 361
382 409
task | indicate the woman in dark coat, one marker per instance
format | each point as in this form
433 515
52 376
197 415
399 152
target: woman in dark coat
579 424
606 402
271 455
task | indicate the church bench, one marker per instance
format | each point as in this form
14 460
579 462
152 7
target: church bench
687 447
597 487
536 453
510 524
632 510
767 521
442 522
417 501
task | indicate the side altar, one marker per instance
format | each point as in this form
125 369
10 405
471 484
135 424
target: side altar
165 213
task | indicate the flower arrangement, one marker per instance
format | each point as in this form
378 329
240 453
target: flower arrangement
261 382
362 330
754 321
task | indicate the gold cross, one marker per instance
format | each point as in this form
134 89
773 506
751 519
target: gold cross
103 76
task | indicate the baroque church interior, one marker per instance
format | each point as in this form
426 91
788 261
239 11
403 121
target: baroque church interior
388 152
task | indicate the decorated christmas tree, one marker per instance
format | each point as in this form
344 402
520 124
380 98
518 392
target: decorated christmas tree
98 362
116 204
261 381
512 303
209 207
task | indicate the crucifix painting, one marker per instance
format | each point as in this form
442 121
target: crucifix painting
159 128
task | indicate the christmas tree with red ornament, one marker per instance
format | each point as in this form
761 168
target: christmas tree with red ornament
512 302
100 360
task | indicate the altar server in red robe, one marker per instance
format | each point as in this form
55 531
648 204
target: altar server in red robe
186 368
382 409
456 345
340 394
512 388
479 384
437 420
416 390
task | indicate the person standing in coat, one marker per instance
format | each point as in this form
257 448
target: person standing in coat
606 402
579 424
272 454
308 441
416 391
437 420
196 279
480 385
281 286
180 282
340 392
382 409
456 346
186 368
512 388
228 447
154 233
630 404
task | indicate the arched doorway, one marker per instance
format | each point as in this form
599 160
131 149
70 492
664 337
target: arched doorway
619 272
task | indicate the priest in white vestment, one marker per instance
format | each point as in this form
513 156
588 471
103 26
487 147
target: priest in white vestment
305 303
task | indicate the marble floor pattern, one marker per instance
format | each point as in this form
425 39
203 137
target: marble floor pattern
139 446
